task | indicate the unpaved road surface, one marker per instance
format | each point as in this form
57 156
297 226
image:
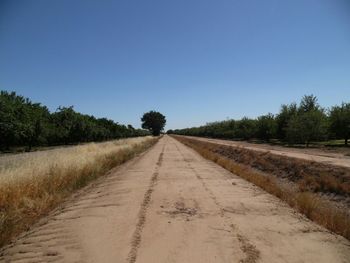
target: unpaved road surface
316 155
171 205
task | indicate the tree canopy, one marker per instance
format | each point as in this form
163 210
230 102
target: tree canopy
153 121
24 123
295 123
340 121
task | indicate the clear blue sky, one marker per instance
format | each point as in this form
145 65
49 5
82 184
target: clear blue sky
195 61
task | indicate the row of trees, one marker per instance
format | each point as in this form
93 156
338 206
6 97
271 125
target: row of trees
295 123
24 123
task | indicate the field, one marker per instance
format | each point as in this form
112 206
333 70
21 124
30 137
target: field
338 155
320 191
172 205
31 184
174 131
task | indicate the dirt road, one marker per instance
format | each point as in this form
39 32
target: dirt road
171 205
317 155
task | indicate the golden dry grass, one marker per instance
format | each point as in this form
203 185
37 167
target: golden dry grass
31 184
305 201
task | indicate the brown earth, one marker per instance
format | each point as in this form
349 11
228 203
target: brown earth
172 205
339 157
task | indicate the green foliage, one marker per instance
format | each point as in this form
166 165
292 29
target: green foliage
23 123
286 113
153 121
266 127
340 121
309 123
308 103
245 128
294 123
306 127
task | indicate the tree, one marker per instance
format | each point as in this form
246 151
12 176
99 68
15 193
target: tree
21 121
34 121
282 119
65 120
246 128
9 124
308 124
340 121
266 127
306 127
309 103
153 121
24 123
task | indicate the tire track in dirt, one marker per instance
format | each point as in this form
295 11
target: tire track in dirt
136 238
211 194
56 238
251 252
171 205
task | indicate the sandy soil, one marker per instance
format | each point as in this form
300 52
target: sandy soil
317 155
171 205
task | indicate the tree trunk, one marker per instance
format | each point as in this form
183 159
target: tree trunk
346 141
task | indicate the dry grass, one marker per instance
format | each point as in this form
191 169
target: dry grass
304 200
308 175
31 184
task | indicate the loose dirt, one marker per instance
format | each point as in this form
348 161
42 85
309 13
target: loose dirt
172 205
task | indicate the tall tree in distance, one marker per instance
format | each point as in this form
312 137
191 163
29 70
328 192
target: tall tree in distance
153 121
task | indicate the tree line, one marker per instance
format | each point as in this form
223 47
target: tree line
295 124
24 123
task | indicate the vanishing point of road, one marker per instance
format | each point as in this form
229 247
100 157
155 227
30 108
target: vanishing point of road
171 205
